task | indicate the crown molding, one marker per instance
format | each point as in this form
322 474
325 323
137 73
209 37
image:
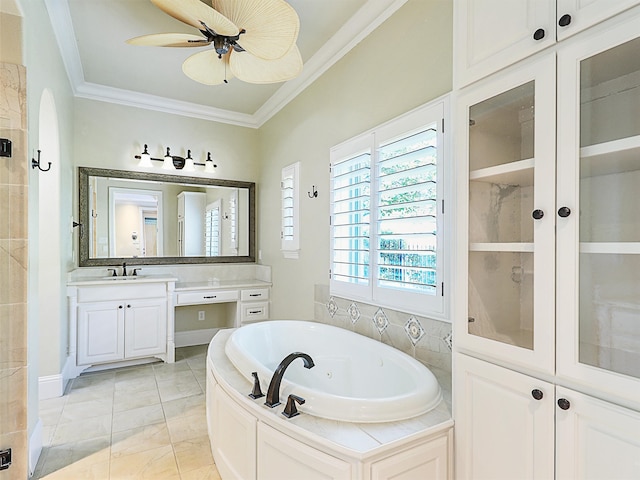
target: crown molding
371 15
130 98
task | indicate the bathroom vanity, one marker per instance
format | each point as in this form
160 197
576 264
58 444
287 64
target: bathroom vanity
116 321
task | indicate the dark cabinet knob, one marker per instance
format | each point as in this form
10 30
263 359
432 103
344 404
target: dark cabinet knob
538 34
564 212
537 394
537 214
564 20
564 404
120 306
128 306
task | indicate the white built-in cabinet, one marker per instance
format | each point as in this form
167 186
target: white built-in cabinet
490 34
517 426
548 154
191 217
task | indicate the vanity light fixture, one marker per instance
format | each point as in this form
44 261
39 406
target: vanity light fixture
172 162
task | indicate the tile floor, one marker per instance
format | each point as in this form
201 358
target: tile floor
146 422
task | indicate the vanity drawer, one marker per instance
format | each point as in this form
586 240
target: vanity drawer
102 293
252 294
253 312
206 296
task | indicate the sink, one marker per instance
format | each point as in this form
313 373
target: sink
122 279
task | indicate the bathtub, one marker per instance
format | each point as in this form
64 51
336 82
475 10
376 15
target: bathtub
355 378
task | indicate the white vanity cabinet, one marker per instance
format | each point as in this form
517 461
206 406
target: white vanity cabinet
490 35
118 320
118 330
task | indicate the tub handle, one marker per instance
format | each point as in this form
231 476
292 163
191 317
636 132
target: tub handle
290 409
256 392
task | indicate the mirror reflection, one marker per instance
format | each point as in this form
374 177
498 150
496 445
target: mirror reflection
159 218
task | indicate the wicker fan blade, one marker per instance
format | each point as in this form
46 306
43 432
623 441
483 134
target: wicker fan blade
271 25
206 67
169 40
193 12
251 69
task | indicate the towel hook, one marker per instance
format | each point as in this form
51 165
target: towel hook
315 192
36 163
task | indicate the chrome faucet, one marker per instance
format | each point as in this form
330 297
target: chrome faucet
273 394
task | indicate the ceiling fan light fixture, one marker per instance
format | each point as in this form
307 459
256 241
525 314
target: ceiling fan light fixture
168 162
145 159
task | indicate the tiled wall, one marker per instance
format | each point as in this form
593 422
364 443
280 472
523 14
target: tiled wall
425 339
13 271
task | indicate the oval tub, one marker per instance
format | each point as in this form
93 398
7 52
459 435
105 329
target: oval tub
355 378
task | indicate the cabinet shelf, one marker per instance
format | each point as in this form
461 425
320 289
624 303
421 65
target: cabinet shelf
616 156
622 248
513 173
501 247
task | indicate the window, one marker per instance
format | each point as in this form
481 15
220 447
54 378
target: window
290 231
387 216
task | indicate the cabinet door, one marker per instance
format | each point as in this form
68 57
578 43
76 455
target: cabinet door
576 15
430 460
506 216
281 457
100 332
502 430
596 439
492 34
233 439
145 327
598 219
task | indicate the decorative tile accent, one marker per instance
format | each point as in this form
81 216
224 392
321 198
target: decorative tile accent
332 307
414 330
380 321
354 313
448 340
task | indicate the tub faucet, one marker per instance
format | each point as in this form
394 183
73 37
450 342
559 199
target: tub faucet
273 394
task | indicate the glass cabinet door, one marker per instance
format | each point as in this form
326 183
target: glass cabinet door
510 124
599 214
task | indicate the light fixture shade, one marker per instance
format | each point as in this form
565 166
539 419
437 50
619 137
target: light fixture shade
168 162
209 167
145 159
188 163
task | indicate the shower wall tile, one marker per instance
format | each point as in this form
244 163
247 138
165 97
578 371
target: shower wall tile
13 271
13 96
432 348
13 171
13 339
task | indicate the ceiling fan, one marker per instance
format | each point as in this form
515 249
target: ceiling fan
253 40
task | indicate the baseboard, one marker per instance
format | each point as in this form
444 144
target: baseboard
194 337
51 386
35 446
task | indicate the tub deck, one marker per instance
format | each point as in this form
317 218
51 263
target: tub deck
361 440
